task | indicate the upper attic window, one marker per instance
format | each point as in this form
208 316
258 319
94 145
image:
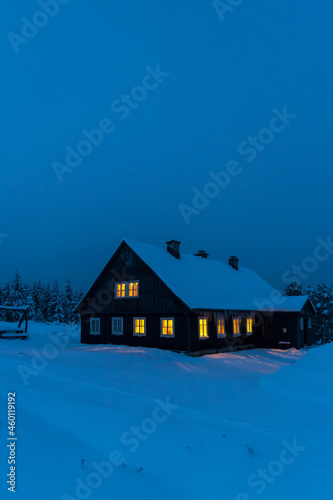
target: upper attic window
133 289
127 289
120 289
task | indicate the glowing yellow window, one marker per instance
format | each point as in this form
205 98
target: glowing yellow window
121 290
133 289
167 327
236 324
139 326
220 327
249 325
203 331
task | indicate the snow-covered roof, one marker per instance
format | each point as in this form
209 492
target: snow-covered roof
211 284
291 303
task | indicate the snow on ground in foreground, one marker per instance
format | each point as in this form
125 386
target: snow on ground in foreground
228 434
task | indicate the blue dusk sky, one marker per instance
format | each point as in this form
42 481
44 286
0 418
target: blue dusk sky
190 120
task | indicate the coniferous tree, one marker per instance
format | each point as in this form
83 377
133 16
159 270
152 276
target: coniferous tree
7 316
78 296
17 293
8 301
322 299
37 302
324 333
56 309
294 289
69 303
46 302
29 302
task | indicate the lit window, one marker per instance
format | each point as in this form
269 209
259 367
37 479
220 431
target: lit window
236 325
120 289
220 327
167 327
249 326
133 289
117 326
139 327
95 326
203 331
126 289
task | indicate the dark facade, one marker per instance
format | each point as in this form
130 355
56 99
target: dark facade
286 329
155 302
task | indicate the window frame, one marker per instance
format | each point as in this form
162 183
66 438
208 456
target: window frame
128 288
247 319
206 320
173 328
220 335
301 324
93 321
116 291
233 326
145 327
122 326
127 295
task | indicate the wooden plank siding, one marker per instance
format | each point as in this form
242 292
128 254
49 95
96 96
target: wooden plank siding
153 332
156 301
214 342
273 324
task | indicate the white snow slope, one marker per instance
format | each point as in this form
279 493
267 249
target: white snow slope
238 426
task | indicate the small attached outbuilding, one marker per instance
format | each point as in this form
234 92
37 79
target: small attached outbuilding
153 297
289 324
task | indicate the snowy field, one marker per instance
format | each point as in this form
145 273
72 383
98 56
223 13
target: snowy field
107 422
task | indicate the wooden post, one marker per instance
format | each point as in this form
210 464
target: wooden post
26 321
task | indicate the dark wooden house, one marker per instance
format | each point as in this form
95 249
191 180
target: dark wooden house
153 297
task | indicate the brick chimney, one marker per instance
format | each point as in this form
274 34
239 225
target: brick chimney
233 262
202 253
173 248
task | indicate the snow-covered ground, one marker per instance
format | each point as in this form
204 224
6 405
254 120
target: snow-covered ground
238 426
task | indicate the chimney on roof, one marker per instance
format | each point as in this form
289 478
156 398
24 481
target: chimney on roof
233 262
202 253
173 248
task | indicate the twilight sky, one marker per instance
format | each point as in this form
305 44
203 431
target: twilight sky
189 101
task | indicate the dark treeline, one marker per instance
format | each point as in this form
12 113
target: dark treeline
47 303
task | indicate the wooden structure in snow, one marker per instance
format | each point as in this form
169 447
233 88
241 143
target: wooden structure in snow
15 332
154 297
